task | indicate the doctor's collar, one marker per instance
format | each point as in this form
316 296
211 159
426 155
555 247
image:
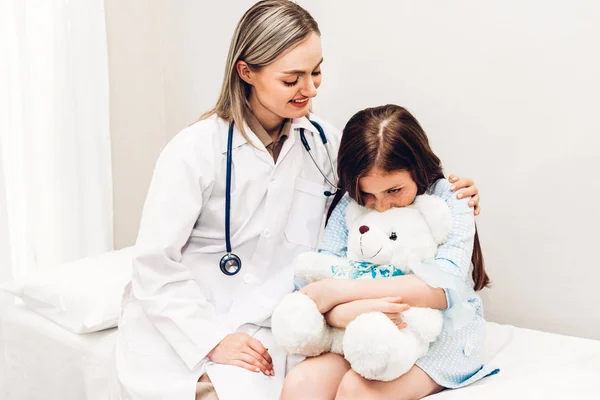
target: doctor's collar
239 140
305 123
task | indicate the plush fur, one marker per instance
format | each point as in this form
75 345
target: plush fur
391 242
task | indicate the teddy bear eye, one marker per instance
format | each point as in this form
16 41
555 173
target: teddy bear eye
393 236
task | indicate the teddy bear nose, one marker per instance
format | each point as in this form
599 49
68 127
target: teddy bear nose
363 229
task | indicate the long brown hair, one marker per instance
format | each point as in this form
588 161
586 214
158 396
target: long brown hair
391 139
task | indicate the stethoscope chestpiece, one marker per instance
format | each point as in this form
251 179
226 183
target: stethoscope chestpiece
230 264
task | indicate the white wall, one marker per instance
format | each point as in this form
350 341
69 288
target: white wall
166 66
137 116
507 92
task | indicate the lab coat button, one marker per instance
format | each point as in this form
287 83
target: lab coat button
266 234
247 279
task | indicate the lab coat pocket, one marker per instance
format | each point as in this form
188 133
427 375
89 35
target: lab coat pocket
306 213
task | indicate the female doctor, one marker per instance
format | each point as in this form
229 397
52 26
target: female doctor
233 199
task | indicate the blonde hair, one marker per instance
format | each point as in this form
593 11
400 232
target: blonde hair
264 32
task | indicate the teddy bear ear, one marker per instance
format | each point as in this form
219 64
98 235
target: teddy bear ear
354 211
437 214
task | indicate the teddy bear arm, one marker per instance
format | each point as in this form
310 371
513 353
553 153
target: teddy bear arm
313 266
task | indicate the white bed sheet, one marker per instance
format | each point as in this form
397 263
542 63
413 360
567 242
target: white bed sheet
535 365
45 361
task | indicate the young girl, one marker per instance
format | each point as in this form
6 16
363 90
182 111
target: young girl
385 161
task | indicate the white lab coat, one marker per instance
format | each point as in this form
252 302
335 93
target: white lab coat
180 305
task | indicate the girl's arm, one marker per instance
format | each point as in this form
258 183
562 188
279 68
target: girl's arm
413 291
431 285
341 315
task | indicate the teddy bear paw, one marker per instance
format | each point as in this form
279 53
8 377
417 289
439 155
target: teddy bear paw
298 326
377 350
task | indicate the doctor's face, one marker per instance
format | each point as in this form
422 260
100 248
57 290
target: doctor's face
284 87
382 190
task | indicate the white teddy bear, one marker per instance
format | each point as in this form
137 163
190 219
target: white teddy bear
380 245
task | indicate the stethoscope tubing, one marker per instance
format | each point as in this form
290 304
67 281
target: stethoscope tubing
230 263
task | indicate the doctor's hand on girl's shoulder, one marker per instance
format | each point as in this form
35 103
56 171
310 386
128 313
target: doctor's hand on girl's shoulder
244 351
465 187
341 315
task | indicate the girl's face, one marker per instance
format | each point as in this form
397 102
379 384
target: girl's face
384 190
283 89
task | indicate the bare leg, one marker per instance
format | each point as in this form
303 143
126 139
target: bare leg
413 385
315 378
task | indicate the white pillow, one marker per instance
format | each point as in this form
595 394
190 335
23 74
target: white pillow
82 296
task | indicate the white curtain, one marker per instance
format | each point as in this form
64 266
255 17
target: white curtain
54 134
5 253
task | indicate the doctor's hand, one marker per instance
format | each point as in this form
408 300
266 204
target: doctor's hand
341 315
244 351
466 188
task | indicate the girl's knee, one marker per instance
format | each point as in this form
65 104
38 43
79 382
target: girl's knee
315 378
293 384
298 381
414 385
354 387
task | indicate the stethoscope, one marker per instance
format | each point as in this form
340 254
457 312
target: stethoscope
231 264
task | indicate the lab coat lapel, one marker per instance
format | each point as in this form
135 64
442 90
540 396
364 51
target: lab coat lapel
287 145
262 153
238 139
294 135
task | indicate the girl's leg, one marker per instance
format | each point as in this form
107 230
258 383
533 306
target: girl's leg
413 385
315 378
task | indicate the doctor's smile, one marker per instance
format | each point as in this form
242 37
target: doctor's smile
301 103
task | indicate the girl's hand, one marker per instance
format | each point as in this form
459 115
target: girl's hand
466 188
341 315
244 351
